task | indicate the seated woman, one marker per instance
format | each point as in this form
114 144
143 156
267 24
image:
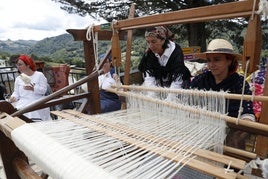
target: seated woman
30 86
109 101
2 92
162 65
222 64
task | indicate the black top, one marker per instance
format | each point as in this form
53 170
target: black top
232 84
2 92
165 75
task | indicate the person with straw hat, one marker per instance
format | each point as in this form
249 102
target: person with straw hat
222 64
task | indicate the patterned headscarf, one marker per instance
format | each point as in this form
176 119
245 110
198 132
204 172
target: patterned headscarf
158 32
28 61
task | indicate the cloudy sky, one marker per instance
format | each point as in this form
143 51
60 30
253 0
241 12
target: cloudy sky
36 20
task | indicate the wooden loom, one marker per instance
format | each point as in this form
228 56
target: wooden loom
229 10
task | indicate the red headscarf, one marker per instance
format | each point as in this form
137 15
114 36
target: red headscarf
28 61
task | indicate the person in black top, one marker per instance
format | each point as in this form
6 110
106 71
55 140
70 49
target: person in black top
162 64
2 92
222 64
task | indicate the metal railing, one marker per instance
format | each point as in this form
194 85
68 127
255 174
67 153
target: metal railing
7 78
9 74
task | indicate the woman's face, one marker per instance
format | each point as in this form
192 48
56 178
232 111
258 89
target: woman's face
155 44
106 66
218 64
22 67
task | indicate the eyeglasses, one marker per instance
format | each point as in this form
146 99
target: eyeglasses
20 64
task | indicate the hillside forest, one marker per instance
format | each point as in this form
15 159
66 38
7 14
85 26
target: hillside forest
63 49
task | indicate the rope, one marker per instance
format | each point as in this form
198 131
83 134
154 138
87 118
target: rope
253 10
253 86
117 69
242 95
95 44
90 33
228 168
89 30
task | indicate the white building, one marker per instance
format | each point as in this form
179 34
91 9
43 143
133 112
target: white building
2 63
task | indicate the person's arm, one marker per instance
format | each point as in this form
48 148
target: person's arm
176 84
2 92
248 113
149 81
40 85
106 81
15 95
249 117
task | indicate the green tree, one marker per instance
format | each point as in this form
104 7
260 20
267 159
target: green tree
195 34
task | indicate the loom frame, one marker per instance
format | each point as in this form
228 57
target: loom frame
252 49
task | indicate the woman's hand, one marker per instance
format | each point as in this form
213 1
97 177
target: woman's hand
29 87
12 99
116 77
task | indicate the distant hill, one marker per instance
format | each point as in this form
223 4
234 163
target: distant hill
15 47
62 47
59 47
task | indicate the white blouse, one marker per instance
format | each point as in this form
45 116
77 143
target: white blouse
27 97
106 81
150 81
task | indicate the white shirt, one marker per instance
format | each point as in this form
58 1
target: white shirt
106 81
150 80
27 97
165 56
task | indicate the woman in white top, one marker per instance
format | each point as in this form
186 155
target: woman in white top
162 64
109 101
30 86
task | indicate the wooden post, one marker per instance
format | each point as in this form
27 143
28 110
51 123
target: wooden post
252 44
8 153
129 48
93 101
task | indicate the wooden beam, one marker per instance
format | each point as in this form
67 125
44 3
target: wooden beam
24 170
192 15
80 34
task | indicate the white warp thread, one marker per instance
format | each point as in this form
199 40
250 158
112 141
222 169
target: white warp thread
91 149
43 148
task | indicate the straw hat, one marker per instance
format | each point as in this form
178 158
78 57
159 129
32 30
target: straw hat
222 46
219 46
